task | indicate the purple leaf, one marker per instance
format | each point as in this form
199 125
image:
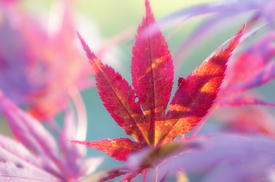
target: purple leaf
17 163
73 155
260 78
248 70
228 158
198 36
15 60
29 131
222 13
251 62
223 7
201 34
43 146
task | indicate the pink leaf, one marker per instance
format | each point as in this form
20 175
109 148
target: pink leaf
243 100
28 130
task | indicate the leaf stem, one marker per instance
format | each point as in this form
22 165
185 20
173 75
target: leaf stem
80 111
144 176
156 174
164 177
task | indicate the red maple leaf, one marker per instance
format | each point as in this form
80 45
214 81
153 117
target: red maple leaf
152 76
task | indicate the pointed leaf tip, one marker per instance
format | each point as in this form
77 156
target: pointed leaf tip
236 39
148 7
118 97
86 48
119 148
180 81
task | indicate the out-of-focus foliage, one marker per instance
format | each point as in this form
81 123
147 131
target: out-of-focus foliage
42 65
39 65
36 157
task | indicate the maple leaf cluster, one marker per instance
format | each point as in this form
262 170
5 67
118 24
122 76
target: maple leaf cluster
152 77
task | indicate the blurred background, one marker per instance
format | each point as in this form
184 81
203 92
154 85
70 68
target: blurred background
41 35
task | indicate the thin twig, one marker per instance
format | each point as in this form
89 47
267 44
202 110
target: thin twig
81 113
156 174
164 177
144 176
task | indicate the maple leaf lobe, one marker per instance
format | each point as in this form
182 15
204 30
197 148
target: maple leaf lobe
118 148
152 73
194 98
86 48
118 97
